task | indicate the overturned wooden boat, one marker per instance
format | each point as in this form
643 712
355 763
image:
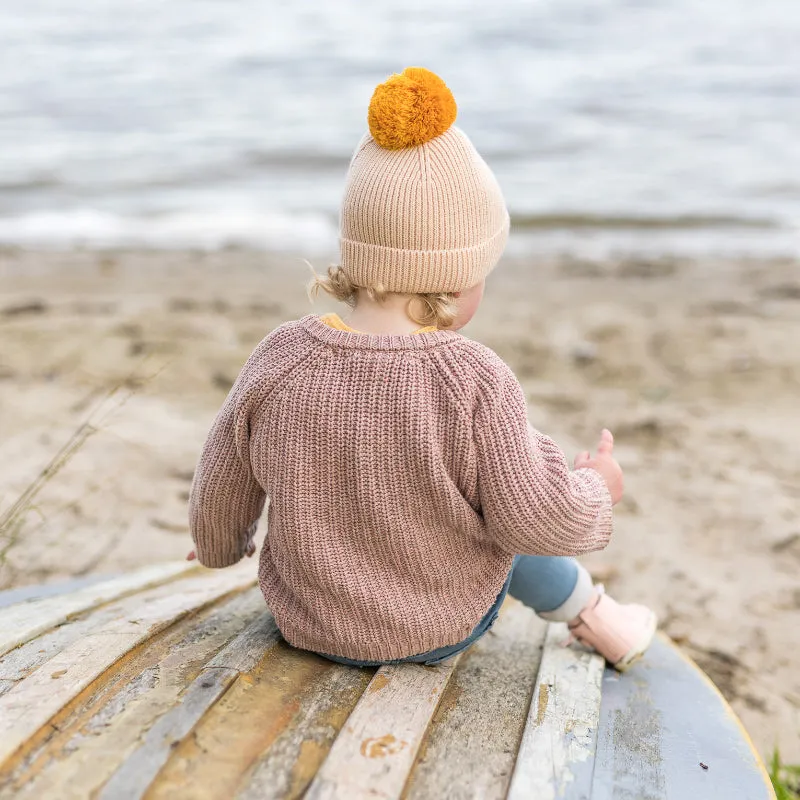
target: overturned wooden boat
174 682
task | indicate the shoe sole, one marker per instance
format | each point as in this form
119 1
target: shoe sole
642 643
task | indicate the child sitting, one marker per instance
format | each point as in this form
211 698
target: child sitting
408 492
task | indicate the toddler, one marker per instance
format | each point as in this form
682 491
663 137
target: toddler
408 494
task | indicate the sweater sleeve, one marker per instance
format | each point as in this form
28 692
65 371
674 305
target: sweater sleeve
226 501
532 502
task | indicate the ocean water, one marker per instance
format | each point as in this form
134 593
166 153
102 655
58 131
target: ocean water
611 124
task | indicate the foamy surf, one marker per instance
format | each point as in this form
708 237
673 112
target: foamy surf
314 235
195 125
210 230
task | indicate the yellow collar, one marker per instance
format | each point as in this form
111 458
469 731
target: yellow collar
333 321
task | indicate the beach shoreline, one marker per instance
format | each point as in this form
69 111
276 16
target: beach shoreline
693 365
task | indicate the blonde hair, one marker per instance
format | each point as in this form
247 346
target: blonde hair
437 309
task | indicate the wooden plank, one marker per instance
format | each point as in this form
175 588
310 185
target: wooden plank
20 662
37 698
38 591
290 764
659 722
21 622
558 745
471 746
374 753
85 744
244 725
136 774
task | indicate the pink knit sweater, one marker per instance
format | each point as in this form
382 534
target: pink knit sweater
402 475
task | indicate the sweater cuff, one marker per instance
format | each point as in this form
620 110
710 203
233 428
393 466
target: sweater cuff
217 557
224 552
604 521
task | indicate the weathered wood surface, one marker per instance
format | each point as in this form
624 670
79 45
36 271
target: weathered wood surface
35 700
134 777
80 750
246 723
287 768
561 730
186 690
19 623
374 753
658 724
27 594
471 744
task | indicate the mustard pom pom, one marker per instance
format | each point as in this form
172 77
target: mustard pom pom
410 109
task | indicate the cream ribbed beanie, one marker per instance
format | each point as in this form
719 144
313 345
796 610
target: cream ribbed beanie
422 212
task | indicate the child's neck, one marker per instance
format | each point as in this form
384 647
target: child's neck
388 317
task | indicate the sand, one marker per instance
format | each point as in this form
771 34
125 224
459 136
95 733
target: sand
695 366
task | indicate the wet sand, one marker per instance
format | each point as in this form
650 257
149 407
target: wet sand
695 367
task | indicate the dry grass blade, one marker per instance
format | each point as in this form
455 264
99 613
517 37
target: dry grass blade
13 518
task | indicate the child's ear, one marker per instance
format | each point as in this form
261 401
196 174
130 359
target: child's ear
456 294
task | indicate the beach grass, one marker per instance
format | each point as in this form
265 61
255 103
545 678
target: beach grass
785 777
12 518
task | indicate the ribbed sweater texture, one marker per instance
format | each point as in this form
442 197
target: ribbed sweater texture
402 475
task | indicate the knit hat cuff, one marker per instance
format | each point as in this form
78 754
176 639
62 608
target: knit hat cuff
421 271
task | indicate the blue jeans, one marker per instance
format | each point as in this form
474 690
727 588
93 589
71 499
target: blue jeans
542 583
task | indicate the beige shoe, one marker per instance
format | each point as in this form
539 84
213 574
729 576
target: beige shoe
619 633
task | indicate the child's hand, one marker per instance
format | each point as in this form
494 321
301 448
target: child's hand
605 463
249 550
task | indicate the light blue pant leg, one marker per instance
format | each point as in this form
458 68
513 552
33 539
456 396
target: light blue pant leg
543 583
